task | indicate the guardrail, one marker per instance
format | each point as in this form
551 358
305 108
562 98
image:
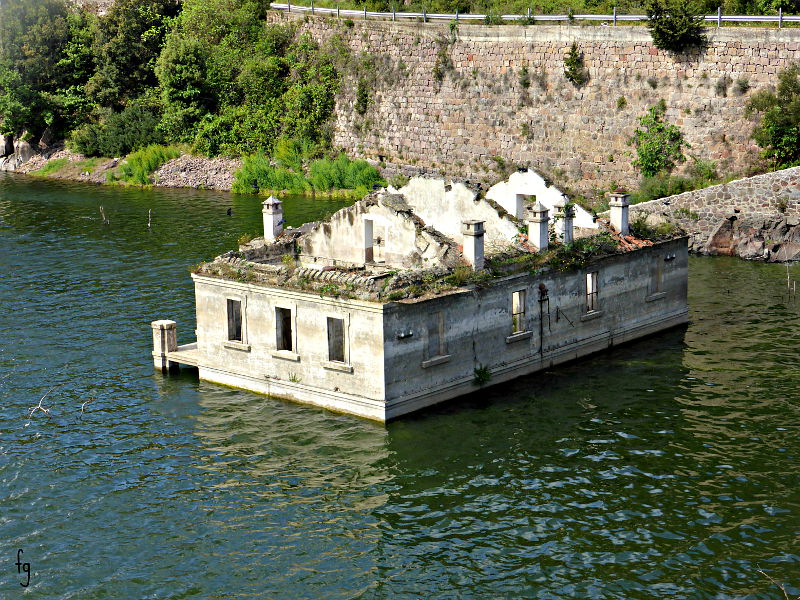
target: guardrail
613 18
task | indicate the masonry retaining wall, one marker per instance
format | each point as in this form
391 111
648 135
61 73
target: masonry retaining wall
579 136
755 217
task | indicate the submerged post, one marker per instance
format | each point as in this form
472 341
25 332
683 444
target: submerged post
538 226
165 339
473 243
619 211
273 218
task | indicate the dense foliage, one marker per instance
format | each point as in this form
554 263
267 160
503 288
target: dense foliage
674 25
778 132
210 73
659 144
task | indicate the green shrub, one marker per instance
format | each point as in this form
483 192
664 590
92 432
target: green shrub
659 144
118 134
138 166
574 69
778 131
482 375
675 26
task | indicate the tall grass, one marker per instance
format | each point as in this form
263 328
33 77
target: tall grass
141 164
342 173
325 175
258 174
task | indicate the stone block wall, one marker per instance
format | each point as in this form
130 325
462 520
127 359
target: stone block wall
755 217
480 108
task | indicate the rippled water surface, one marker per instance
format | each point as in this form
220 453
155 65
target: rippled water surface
667 468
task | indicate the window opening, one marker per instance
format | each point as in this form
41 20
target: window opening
518 311
283 326
369 253
436 341
591 291
658 276
235 320
336 340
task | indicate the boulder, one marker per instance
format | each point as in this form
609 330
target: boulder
23 151
46 140
6 145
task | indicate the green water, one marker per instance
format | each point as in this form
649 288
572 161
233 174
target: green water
667 468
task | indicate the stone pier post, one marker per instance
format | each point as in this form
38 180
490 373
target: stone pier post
165 339
473 243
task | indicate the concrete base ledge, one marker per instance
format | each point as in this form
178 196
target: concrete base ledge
297 392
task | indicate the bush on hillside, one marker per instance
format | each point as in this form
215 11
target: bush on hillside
778 132
675 26
118 134
659 144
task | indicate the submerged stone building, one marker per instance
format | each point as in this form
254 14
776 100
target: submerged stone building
415 296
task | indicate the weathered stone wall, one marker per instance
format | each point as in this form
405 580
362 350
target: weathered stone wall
756 217
480 108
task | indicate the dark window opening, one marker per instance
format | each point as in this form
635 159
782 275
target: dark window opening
283 325
235 320
436 336
336 340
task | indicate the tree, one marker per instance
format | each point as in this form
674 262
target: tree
675 26
659 144
182 75
778 132
128 43
574 69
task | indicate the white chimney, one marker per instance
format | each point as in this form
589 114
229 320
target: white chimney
473 243
273 218
563 221
619 211
538 226
521 202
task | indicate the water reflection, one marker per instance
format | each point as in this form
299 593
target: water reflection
661 469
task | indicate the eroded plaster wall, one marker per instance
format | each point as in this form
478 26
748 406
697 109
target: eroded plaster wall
478 324
304 374
396 239
446 206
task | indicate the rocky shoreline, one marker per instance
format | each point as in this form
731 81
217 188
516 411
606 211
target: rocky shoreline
186 171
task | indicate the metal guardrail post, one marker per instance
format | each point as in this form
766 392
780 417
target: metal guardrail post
290 6
719 17
615 16
312 7
780 17
424 15
365 12
456 16
529 14
338 16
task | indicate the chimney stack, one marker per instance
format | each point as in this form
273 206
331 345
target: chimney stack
521 202
538 228
473 243
273 218
563 221
619 211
